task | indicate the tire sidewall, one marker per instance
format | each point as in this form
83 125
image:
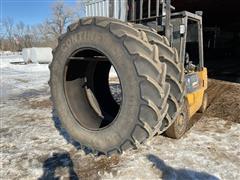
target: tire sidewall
97 38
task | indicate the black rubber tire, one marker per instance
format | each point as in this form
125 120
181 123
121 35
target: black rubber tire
204 103
178 129
142 78
175 74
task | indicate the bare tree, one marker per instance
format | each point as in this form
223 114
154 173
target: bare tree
20 33
28 37
20 29
45 35
62 15
17 36
8 26
81 8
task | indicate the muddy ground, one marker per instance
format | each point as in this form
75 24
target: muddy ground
33 148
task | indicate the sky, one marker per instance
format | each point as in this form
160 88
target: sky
30 12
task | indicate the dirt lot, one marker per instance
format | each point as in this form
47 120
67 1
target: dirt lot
32 147
224 100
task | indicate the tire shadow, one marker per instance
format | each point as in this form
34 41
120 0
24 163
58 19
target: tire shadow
66 136
170 173
62 160
63 132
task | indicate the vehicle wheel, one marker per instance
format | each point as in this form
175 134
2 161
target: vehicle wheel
80 87
204 104
180 126
175 75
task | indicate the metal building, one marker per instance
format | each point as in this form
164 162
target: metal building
104 8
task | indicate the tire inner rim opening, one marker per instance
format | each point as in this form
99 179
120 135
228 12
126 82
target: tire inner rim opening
92 89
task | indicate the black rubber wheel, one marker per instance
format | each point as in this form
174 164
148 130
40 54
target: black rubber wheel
80 89
204 103
180 125
175 74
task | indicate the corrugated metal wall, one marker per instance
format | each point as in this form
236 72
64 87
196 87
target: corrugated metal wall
104 8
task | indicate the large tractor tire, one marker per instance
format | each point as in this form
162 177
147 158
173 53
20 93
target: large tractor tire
175 75
80 87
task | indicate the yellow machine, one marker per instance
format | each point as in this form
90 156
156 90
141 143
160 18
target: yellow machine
197 100
190 49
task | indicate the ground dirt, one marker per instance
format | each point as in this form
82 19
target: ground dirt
224 100
33 145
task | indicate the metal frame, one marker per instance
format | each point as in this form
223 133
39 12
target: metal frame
184 18
161 19
150 17
164 19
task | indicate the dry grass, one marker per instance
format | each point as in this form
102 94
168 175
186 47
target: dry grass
38 104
